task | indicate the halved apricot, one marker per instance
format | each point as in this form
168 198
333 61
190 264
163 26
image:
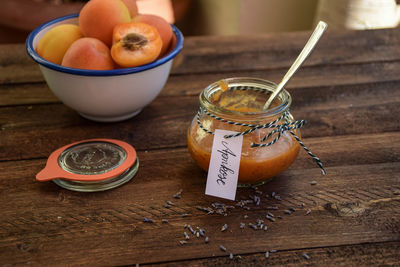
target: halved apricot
135 44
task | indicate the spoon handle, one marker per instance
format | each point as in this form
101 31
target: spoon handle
314 38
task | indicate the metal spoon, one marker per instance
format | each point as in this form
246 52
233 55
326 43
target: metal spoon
316 35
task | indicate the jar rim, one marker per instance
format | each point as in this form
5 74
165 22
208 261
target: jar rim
261 84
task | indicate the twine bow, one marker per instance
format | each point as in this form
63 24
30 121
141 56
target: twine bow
278 130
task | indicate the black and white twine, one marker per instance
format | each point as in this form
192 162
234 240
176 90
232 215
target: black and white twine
278 129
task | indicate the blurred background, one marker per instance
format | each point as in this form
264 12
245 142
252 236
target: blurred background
216 17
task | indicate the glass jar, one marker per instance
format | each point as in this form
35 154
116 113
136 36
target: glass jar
236 104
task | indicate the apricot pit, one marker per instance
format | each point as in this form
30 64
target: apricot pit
135 44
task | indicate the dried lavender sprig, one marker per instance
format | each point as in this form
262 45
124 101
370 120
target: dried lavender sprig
208 210
253 226
186 235
191 229
178 194
147 220
202 232
287 212
224 227
272 219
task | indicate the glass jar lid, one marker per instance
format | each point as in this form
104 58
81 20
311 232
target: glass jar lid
91 165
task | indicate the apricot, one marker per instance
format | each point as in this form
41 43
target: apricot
88 53
162 26
135 44
98 18
132 7
54 43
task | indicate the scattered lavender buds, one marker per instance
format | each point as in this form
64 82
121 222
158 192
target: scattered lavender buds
267 254
164 221
314 183
183 242
272 208
222 248
231 256
242 225
206 240
306 256
308 211
170 203
224 228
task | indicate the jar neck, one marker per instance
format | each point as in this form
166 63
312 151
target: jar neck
245 90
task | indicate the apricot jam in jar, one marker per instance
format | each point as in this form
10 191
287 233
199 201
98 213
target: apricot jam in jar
236 104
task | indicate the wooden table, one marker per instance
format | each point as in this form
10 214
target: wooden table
348 91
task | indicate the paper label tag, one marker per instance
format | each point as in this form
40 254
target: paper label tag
223 171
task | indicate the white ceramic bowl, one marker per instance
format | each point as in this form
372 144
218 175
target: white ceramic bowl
104 95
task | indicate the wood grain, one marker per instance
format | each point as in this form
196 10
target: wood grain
348 91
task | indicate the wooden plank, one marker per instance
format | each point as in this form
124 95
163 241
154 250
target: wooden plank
371 254
357 111
367 80
266 52
279 50
79 223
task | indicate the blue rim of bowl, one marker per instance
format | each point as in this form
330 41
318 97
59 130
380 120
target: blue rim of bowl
32 53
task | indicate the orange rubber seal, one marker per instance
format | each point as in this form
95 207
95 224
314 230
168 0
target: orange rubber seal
53 170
